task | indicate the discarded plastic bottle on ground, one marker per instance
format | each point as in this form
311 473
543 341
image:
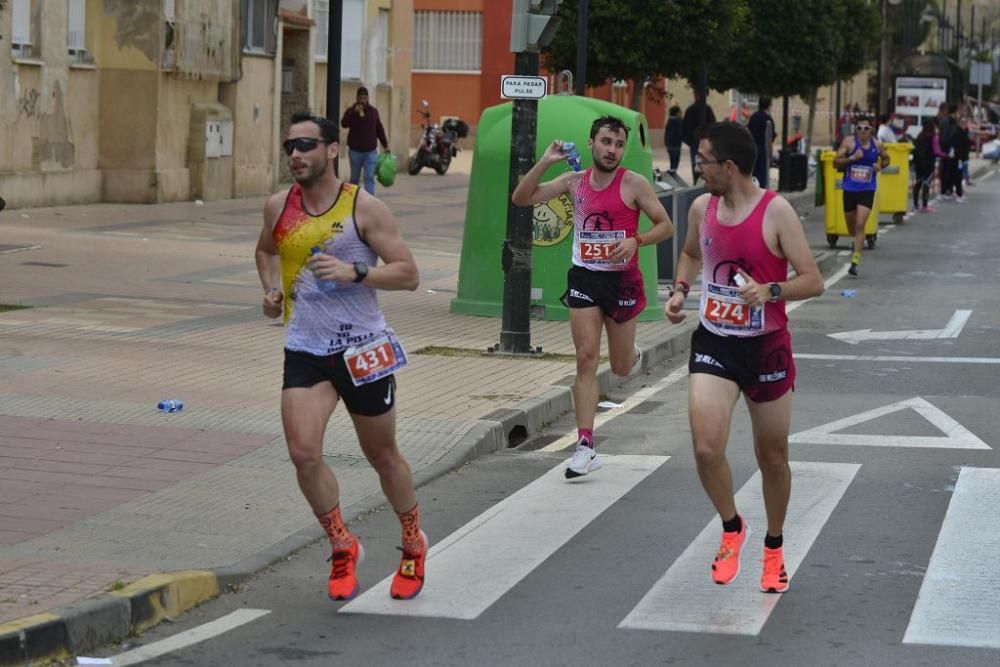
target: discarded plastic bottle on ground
170 405
324 285
849 293
572 155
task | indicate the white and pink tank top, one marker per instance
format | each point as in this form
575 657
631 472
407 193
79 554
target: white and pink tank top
600 221
726 248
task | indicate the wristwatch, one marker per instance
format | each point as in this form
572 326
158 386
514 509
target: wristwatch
775 290
361 269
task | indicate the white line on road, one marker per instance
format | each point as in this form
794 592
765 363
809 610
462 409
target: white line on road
959 600
953 329
955 435
686 600
897 358
188 637
635 399
474 566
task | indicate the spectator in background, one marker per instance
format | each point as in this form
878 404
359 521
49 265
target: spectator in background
962 144
885 132
696 117
674 137
364 133
761 128
924 158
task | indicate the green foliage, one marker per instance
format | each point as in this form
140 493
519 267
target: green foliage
642 39
856 48
787 47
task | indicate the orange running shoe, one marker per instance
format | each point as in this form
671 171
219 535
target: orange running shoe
774 579
726 565
409 578
343 583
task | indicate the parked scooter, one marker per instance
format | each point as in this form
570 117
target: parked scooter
438 144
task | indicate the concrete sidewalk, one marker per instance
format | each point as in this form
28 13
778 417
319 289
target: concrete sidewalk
114 516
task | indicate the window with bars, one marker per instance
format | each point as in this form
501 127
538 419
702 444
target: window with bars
353 27
77 27
259 26
20 29
448 41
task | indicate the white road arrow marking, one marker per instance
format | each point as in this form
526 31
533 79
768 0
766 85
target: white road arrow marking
951 330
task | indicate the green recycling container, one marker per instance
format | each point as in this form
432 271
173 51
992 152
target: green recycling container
481 277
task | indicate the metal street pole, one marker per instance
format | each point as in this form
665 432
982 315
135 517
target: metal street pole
335 27
515 322
581 47
881 62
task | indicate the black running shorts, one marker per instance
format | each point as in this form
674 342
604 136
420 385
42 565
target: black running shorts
619 294
370 400
762 366
852 200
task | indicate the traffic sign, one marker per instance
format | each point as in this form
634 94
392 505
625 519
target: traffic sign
518 87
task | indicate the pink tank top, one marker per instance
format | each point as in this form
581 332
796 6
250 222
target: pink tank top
724 248
600 221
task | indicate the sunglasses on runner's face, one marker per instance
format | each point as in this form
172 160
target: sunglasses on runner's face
864 128
302 144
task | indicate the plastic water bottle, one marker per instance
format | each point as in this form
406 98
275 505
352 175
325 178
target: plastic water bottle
324 285
572 155
170 405
848 293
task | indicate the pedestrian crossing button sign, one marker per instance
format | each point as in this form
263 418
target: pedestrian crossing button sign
515 87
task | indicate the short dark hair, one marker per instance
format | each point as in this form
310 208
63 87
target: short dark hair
764 102
614 124
675 110
731 141
362 91
327 128
883 119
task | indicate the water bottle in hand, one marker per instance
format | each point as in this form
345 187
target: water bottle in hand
572 155
170 405
324 285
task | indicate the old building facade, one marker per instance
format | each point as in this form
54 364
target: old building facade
166 100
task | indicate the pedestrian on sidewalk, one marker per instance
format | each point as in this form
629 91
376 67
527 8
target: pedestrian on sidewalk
948 131
674 137
963 149
741 238
317 260
605 286
923 165
696 116
861 157
364 133
761 127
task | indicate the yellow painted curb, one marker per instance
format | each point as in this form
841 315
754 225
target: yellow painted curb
167 596
27 622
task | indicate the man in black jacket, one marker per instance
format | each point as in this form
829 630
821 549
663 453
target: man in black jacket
696 117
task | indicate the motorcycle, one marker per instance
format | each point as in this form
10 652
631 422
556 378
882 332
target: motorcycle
438 144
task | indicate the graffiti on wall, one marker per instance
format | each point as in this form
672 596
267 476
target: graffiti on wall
28 104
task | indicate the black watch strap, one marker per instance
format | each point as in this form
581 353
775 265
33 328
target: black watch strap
361 269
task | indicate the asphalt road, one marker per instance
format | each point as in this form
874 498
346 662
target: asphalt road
891 540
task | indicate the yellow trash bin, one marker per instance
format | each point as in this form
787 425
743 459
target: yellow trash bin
833 205
894 181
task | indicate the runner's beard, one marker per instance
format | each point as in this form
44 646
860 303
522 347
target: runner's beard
312 175
599 166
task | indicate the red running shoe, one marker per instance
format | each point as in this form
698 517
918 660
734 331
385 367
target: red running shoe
409 578
343 583
726 565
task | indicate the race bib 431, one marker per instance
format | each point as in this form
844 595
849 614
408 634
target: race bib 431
375 359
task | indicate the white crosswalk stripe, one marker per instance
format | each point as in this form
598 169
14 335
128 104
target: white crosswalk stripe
474 566
959 600
686 600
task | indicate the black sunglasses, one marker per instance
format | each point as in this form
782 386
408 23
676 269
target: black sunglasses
302 144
